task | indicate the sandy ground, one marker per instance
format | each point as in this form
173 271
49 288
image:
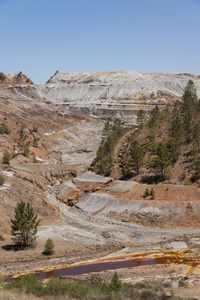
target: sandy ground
82 238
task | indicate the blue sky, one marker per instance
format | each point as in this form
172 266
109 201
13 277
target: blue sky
39 37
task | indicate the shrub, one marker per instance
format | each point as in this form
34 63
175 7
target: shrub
2 179
6 157
35 142
26 284
35 161
188 181
35 128
146 193
116 283
49 247
152 193
4 129
2 76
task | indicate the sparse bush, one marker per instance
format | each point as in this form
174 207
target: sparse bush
35 129
75 289
188 181
168 174
2 179
116 283
26 284
127 170
23 143
89 289
146 193
197 171
6 157
35 142
4 129
151 136
2 76
2 238
49 247
152 193
35 161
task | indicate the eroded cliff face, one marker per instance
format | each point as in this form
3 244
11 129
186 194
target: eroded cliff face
111 95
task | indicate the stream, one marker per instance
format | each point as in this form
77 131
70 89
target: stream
114 263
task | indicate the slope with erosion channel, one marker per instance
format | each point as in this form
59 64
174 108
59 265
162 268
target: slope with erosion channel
61 151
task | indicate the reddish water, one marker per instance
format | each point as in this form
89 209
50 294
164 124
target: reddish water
137 260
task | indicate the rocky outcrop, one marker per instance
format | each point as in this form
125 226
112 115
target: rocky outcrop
14 79
100 197
91 182
111 95
68 193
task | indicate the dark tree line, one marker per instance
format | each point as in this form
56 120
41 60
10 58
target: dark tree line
110 136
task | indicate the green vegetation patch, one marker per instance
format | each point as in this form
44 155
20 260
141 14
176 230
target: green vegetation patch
110 136
92 288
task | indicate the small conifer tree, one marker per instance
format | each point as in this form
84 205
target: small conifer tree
6 157
116 283
49 247
24 225
23 143
146 193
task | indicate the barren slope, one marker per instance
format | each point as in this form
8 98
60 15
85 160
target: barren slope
115 94
67 144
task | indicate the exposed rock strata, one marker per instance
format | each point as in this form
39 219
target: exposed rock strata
115 94
123 201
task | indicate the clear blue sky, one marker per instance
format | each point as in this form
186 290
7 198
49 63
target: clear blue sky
39 37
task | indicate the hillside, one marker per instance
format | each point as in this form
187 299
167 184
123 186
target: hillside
58 154
90 216
112 95
164 148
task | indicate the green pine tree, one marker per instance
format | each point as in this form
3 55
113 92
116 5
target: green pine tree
49 247
154 117
24 225
162 159
141 116
137 156
116 283
23 143
189 109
